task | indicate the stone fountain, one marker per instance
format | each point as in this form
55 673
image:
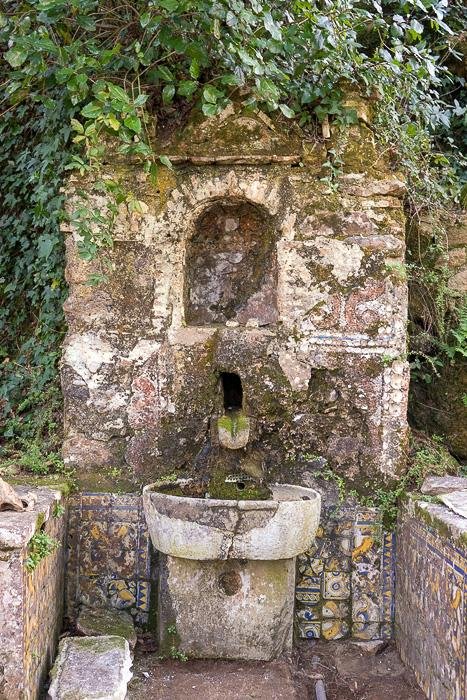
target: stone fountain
251 332
229 569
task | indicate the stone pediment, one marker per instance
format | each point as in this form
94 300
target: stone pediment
236 136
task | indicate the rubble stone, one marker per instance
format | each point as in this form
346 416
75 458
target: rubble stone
91 668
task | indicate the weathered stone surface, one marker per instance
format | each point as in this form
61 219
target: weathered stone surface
310 283
435 485
456 501
206 529
9 499
236 136
371 647
237 610
231 267
431 611
31 601
98 622
89 668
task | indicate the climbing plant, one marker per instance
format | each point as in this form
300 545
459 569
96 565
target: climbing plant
75 71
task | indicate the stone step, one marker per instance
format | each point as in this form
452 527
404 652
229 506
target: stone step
91 668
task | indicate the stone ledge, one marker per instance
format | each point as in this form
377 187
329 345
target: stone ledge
441 519
16 529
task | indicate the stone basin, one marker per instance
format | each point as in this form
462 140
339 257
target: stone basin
227 569
211 529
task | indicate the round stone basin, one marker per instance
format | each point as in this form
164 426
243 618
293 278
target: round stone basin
208 529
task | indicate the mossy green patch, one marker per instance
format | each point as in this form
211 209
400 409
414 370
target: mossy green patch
233 422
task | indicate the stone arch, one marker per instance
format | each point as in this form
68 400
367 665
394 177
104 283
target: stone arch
230 271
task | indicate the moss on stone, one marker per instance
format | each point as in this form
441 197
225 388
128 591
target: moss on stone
233 422
51 481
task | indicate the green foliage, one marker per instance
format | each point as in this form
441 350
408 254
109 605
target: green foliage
427 457
58 510
80 72
33 142
40 546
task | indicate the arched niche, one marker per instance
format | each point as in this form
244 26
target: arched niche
230 266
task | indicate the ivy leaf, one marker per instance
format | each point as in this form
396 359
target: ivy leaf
77 126
16 56
286 111
271 26
194 68
118 93
113 122
211 94
144 19
210 110
92 110
267 89
133 122
165 74
187 87
169 5
168 93
45 246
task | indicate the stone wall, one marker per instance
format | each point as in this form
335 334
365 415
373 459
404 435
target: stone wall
31 603
431 602
307 307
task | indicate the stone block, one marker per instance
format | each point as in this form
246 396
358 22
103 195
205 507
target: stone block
456 501
98 622
435 485
91 668
237 609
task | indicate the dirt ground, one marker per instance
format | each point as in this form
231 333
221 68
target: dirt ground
346 672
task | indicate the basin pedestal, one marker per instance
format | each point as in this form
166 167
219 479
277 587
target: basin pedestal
227 575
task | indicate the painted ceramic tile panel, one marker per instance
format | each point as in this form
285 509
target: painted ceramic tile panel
345 584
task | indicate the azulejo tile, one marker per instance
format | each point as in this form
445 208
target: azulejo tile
366 608
308 590
310 613
336 585
309 630
312 568
338 563
386 631
334 629
366 549
143 594
337 609
122 593
366 630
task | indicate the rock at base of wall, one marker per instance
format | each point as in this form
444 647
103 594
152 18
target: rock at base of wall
99 622
91 668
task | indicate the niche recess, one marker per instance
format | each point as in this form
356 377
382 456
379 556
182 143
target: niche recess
231 271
